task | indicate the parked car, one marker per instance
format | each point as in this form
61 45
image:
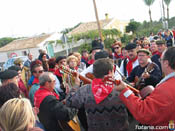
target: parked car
10 61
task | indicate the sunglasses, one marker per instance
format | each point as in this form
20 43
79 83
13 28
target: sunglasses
39 72
116 47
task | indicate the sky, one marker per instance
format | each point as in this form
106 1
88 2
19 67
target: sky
20 18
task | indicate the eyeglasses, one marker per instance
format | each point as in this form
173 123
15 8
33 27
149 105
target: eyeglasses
39 72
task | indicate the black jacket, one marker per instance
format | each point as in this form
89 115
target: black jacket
52 111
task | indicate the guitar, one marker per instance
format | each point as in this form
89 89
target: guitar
74 73
140 80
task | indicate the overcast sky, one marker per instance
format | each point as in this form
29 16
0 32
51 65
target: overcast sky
32 17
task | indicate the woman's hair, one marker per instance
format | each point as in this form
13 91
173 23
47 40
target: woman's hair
7 92
16 115
52 63
77 54
69 58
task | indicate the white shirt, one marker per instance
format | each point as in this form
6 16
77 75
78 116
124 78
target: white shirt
90 70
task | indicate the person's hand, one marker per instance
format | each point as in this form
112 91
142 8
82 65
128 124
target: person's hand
145 75
121 86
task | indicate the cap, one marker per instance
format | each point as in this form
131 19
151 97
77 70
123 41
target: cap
16 68
101 54
130 46
144 50
60 58
8 74
160 42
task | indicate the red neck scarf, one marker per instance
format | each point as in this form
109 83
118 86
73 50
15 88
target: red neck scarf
52 70
129 65
159 54
41 94
100 90
58 73
85 58
155 52
118 56
91 61
35 81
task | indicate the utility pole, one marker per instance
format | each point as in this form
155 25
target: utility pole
98 22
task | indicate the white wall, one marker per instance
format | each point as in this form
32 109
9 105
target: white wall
5 55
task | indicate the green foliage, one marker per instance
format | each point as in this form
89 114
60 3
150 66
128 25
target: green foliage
108 42
6 40
125 39
167 2
133 26
85 46
148 2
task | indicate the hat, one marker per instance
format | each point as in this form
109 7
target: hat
95 48
96 45
60 58
160 42
15 68
144 50
101 54
130 46
8 74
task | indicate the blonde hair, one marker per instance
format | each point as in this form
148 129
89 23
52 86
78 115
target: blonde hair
76 54
71 57
16 115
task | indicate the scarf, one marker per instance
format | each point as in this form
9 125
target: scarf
159 54
129 65
35 81
58 73
91 61
100 90
41 94
155 52
85 58
52 70
118 56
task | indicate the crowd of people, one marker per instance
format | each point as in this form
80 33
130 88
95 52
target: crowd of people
92 91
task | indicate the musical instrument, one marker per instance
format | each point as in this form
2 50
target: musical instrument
74 73
107 79
140 80
69 126
90 76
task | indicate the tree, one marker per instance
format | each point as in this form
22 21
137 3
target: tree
167 2
133 26
149 3
6 40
